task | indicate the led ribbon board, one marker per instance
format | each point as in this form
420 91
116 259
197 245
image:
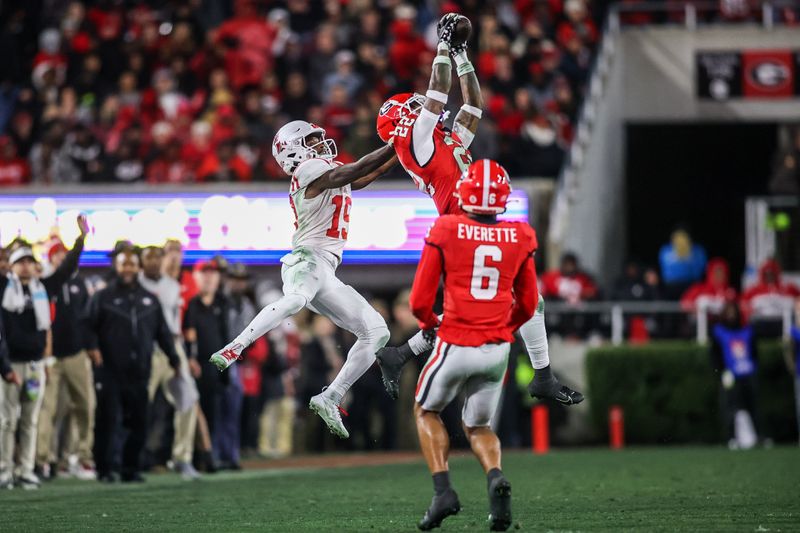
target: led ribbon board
386 226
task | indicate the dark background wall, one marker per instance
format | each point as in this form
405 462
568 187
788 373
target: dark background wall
698 174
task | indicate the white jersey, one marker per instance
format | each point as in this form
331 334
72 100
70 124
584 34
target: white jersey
322 222
168 292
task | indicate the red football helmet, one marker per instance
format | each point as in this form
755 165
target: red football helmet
484 188
394 109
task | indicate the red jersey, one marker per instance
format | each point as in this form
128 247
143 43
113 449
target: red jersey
489 279
188 290
438 177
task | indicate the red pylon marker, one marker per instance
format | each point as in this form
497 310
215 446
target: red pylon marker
616 427
540 429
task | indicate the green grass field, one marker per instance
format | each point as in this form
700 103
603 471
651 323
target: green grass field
655 489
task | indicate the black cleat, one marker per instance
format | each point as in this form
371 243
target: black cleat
391 362
441 507
499 504
553 390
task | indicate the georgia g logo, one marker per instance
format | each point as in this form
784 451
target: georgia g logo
769 74
386 107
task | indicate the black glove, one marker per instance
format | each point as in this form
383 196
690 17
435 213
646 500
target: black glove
429 335
445 27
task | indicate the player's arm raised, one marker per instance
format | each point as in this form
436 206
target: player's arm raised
466 122
351 172
436 97
441 72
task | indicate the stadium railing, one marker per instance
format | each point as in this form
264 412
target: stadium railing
616 311
765 218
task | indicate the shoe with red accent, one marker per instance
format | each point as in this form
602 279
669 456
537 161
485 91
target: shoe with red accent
227 356
331 414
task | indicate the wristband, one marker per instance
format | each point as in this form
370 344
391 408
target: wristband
436 95
464 68
442 46
442 60
472 110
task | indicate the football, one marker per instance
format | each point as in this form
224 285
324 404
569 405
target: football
462 31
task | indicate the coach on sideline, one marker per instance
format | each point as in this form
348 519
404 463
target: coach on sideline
25 304
7 373
123 322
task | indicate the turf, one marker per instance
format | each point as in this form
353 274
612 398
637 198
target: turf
656 489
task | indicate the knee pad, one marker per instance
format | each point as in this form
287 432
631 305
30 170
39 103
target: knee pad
375 330
376 336
293 303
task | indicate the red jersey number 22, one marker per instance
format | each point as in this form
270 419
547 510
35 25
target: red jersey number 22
342 211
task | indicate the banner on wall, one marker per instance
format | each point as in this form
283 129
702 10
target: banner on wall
386 227
748 74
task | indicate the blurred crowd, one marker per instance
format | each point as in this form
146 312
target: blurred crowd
189 91
708 12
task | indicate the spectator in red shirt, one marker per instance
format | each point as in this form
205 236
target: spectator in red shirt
569 283
199 145
767 299
225 123
224 164
713 292
577 23
49 59
13 169
168 167
405 51
339 113
246 41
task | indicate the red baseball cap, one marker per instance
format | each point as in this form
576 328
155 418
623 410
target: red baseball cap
55 247
206 264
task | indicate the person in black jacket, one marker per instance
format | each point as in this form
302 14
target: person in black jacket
7 373
205 327
25 300
123 323
70 370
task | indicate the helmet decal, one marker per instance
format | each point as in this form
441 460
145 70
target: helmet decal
387 105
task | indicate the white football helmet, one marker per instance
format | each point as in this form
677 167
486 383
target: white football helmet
289 146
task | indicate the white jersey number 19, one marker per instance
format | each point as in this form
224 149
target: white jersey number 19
342 212
480 272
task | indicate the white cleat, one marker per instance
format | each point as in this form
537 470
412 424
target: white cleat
227 356
328 410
